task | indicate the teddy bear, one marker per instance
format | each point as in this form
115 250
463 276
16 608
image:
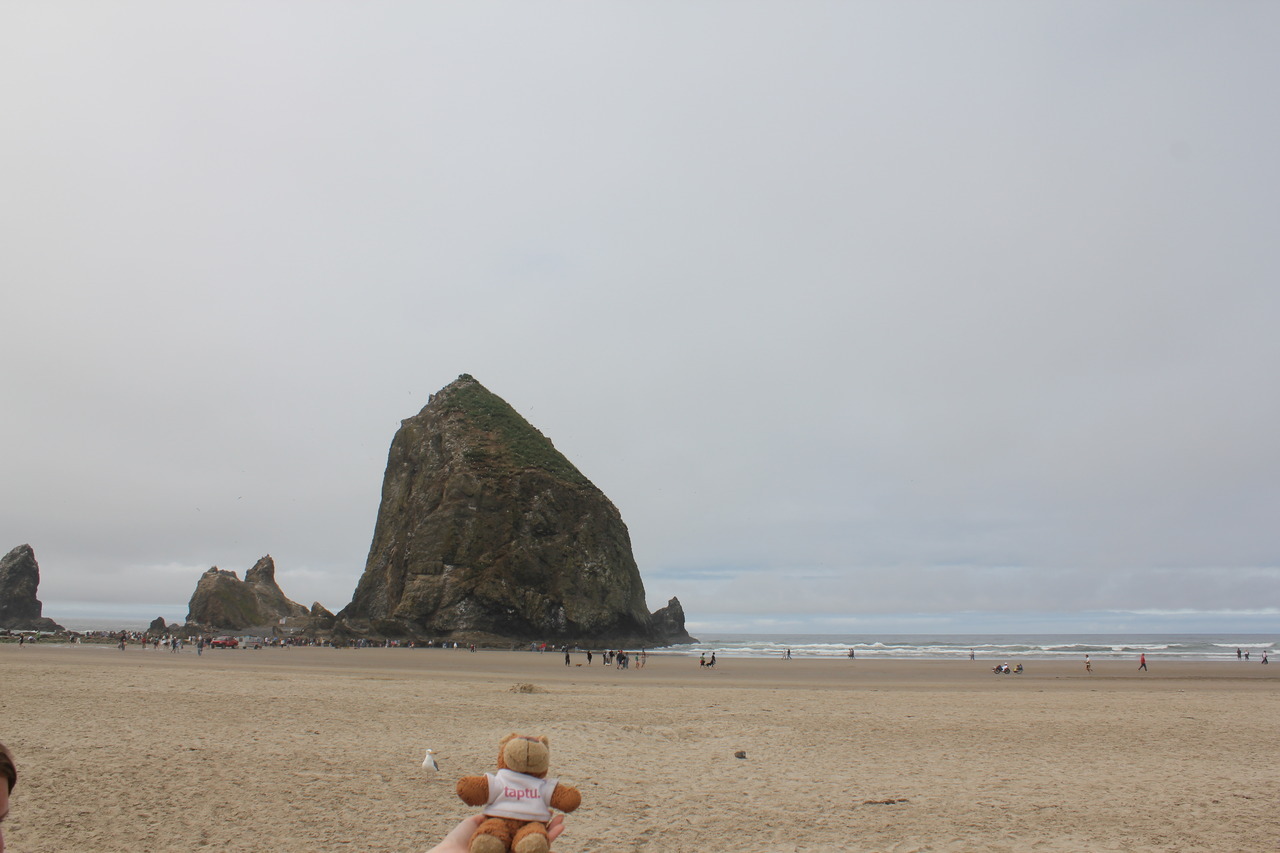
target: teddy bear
518 799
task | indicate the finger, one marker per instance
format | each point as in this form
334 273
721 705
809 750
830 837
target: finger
462 832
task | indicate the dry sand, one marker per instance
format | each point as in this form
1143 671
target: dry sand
289 750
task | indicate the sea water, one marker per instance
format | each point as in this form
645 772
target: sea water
1196 647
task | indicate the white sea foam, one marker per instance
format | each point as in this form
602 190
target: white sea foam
986 646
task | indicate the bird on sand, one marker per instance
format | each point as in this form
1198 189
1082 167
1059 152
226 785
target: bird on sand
429 763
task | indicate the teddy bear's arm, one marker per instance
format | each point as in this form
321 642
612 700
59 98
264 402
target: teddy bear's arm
566 798
473 790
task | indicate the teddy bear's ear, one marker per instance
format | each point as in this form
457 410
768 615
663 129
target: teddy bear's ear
542 739
511 736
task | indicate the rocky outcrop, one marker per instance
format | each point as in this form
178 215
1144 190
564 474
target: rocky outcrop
223 601
668 622
320 618
19 581
486 531
158 626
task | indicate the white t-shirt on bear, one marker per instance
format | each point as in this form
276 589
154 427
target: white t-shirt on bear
519 796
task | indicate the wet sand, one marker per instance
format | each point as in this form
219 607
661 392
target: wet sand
320 749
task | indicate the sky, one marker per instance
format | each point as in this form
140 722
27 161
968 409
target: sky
869 317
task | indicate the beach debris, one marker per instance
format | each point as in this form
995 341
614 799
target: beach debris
526 688
892 801
429 763
742 753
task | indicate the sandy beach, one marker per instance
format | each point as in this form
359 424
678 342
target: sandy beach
292 750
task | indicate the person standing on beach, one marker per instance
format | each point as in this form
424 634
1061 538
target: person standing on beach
566 657
1088 665
1142 661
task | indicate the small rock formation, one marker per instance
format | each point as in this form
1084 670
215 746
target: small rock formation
222 600
668 622
157 626
487 532
320 619
19 581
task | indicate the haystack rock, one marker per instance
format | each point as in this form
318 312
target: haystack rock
487 532
222 600
19 581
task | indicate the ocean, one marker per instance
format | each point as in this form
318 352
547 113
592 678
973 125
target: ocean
1195 647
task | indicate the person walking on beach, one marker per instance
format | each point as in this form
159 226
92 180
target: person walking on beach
566 657
712 663
1142 661
1088 665
1264 656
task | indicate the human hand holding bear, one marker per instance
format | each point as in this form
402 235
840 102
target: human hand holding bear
518 800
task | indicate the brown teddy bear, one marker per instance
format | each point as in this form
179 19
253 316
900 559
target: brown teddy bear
518 799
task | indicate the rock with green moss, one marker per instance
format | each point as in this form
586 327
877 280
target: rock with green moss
487 532
223 601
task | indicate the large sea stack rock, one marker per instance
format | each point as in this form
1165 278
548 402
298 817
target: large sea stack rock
222 600
487 532
19 581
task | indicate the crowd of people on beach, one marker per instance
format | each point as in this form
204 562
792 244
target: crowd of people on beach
618 659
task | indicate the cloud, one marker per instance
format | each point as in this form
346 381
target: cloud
973 309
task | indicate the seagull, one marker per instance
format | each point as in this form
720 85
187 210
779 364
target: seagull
429 763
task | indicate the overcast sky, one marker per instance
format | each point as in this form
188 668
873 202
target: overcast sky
867 316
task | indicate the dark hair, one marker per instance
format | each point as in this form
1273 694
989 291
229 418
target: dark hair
7 768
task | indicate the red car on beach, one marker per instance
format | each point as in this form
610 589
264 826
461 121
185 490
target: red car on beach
224 643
